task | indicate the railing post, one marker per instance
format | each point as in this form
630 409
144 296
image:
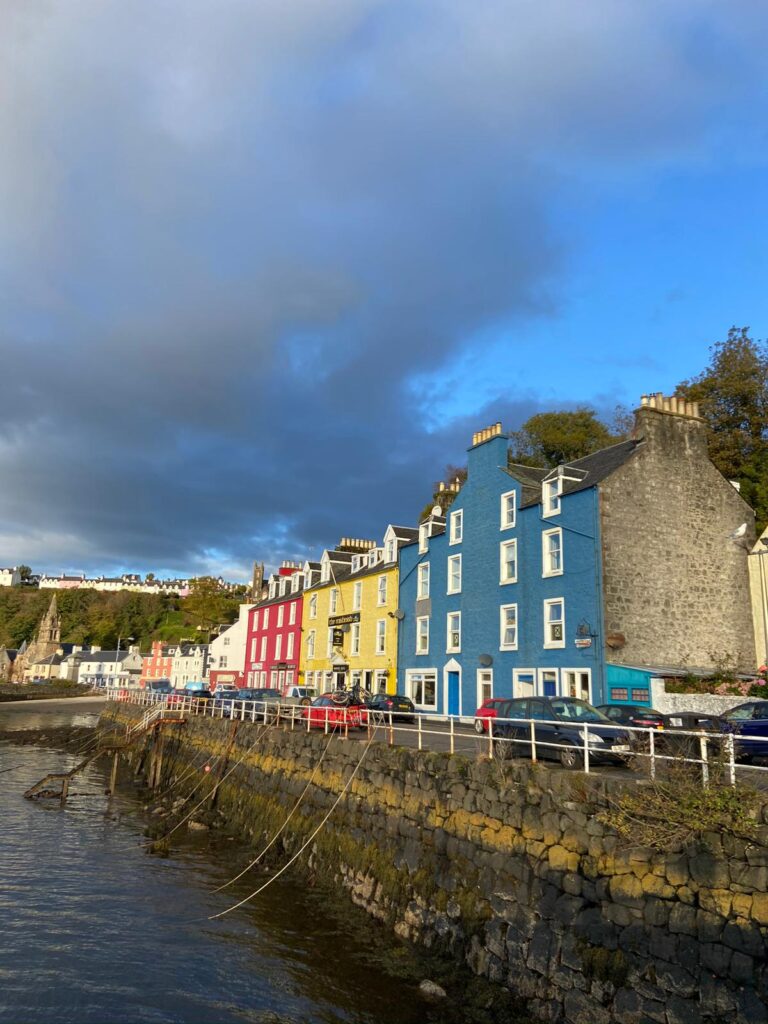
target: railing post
652 752
419 731
453 735
586 749
391 729
704 760
326 721
731 748
533 741
490 738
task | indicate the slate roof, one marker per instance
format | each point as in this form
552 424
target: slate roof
591 470
406 533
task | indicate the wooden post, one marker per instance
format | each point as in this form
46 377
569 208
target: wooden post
113 776
159 758
64 790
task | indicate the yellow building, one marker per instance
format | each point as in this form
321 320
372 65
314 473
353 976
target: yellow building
350 616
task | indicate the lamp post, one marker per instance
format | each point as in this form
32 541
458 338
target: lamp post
117 653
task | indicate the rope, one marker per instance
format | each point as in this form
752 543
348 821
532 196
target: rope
279 832
301 849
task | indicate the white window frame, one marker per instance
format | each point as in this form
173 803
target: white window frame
456 532
263 649
546 570
484 678
415 678
422 633
423 538
506 522
391 551
354 640
540 680
564 682
381 636
312 607
289 646
278 647
422 581
506 544
357 596
329 643
292 614
280 614
381 591
325 572
266 618
505 646
333 601
517 675
380 680
311 635
548 643
452 627
551 494
453 560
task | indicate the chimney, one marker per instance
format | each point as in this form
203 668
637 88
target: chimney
671 425
487 453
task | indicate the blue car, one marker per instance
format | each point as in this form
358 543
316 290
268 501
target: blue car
749 722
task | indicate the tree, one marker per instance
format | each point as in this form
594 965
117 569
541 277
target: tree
207 603
453 478
25 571
549 438
733 395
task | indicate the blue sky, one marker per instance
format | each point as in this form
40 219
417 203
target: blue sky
264 268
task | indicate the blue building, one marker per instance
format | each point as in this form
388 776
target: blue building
561 582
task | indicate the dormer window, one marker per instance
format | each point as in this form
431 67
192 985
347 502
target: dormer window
423 537
391 551
550 496
457 526
325 571
355 563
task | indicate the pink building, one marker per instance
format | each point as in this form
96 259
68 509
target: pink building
273 640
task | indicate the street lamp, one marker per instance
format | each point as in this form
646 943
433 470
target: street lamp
117 653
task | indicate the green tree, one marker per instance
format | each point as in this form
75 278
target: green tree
549 438
732 392
207 603
25 571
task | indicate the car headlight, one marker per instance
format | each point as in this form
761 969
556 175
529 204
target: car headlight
595 739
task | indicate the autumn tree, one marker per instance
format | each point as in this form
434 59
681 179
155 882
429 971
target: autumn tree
549 438
732 392
207 604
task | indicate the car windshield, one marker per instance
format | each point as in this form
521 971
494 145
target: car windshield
577 711
740 713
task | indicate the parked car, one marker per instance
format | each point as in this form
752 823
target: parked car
225 688
298 695
749 722
198 689
326 709
488 709
257 698
159 686
633 714
559 728
402 708
692 721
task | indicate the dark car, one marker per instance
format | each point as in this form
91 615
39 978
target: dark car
257 698
633 714
692 721
159 686
198 689
381 704
749 722
559 727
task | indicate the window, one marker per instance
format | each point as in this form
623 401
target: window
422 634
226 641
289 677
554 623
295 583
576 684
263 678
457 526
357 596
325 572
355 563
552 552
641 695
381 636
381 591
289 646
356 677
292 614
280 614
381 680
273 679
263 649
508 561
508 627
278 646
523 682
355 642
453 632
422 688
391 551
550 496
484 685
334 601
329 643
266 618
454 574
312 607
223 661
311 643
508 509
423 538
422 588
619 693
547 684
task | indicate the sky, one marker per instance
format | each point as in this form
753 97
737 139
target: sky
265 267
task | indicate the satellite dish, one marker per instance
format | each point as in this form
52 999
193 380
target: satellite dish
399 614
485 660
437 511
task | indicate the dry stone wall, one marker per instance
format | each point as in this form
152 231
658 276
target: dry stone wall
509 868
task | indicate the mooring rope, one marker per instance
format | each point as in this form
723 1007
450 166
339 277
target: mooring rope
282 828
303 847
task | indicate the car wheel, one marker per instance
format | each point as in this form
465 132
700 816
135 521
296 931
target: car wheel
479 726
570 758
305 702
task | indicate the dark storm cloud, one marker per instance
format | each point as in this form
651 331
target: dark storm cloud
233 234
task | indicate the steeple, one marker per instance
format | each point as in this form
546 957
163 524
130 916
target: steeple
49 630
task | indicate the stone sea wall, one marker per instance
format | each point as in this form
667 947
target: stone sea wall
507 867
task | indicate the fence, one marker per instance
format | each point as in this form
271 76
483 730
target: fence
575 744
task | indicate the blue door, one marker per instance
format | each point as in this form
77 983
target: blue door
453 693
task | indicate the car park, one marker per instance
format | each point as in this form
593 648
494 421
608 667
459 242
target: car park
487 710
560 725
749 722
326 709
383 705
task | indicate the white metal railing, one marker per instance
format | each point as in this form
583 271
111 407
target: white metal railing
503 738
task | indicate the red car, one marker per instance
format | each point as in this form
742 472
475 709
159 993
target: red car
488 709
327 709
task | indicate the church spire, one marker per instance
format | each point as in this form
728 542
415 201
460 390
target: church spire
49 631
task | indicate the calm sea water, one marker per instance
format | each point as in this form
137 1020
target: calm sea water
93 929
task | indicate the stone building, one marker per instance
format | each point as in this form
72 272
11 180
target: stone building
47 642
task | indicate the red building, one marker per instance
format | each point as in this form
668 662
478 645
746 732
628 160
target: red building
158 663
273 641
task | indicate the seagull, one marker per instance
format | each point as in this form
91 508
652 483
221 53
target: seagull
739 532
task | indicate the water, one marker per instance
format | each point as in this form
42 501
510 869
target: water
93 929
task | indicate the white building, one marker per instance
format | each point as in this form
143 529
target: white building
10 577
189 664
226 653
108 668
